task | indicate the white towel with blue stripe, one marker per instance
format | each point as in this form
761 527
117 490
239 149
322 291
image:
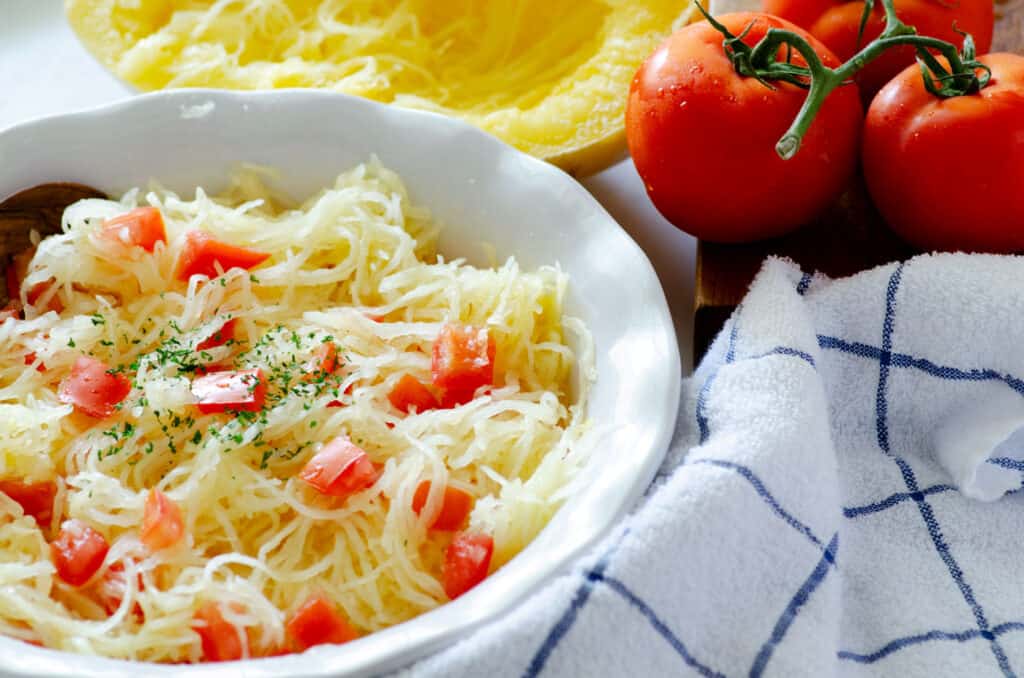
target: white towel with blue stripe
839 499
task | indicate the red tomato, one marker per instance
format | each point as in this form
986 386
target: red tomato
141 227
921 151
11 310
92 389
220 638
78 552
162 524
325 363
244 391
111 588
16 273
318 622
30 358
409 393
466 561
220 337
801 12
463 361
339 469
838 26
450 399
455 506
202 251
36 499
703 138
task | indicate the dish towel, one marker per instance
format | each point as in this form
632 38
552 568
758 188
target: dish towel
840 498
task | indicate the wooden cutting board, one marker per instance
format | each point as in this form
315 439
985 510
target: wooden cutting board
850 237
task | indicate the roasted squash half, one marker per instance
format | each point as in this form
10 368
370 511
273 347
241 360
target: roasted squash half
548 76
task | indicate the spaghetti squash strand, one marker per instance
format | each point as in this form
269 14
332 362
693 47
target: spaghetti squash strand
354 269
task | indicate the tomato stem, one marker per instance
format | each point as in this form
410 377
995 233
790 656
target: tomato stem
762 62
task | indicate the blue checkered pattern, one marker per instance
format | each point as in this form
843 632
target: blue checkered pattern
821 612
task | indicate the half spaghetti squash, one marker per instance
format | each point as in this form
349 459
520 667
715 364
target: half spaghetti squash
547 76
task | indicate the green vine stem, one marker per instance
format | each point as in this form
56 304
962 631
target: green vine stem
762 62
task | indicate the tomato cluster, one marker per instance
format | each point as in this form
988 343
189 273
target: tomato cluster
944 172
703 138
837 24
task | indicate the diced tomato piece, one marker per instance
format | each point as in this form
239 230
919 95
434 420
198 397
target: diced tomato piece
318 622
451 399
92 389
16 273
78 552
455 506
324 363
221 640
141 227
230 390
38 290
36 499
410 393
11 310
278 652
202 251
30 358
162 525
220 337
111 589
466 561
347 391
463 360
339 469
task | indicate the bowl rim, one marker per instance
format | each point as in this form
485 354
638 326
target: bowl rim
455 619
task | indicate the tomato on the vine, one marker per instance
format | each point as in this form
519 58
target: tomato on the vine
801 12
703 137
837 24
947 173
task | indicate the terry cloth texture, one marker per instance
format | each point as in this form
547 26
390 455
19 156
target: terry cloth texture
812 517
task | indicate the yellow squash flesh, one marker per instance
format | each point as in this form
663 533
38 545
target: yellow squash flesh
548 76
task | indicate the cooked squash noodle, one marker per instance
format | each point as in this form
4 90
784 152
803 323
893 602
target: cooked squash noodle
547 76
355 266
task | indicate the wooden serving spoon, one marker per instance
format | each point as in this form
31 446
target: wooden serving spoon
38 208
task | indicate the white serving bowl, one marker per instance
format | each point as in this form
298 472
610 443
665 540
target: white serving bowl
482 191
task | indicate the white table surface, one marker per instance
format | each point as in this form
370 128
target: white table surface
44 70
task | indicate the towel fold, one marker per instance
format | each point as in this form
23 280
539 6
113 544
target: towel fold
817 513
